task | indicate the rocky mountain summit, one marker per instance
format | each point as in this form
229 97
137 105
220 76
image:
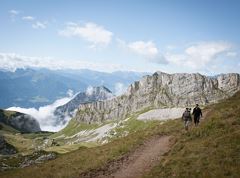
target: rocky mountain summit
162 90
92 94
19 121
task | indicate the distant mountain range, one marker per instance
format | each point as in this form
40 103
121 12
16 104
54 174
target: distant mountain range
38 87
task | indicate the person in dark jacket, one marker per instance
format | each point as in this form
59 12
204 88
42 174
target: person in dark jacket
197 114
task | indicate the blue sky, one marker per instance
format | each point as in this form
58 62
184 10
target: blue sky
108 35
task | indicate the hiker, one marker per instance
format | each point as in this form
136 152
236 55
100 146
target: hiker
187 118
197 113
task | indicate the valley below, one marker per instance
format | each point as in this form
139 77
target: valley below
120 89
136 134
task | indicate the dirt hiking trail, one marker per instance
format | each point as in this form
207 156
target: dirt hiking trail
136 164
143 159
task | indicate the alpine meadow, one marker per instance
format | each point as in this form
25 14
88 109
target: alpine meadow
119 89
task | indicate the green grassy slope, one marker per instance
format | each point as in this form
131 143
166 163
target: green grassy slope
5 114
75 127
66 139
7 128
84 159
211 150
24 143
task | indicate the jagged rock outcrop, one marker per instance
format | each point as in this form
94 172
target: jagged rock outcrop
91 95
19 121
162 90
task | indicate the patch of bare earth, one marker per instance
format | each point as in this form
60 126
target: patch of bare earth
137 163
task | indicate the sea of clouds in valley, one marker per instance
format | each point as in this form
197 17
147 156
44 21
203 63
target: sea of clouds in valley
45 114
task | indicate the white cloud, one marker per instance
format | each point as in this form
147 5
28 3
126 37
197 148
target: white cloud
119 88
70 93
28 18
207 51
89 90
199 55
45 114
39 25
91 32
170 47
12 61
14 12
210 57
148 48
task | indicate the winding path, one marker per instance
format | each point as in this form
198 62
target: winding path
144 158
139 162
136 164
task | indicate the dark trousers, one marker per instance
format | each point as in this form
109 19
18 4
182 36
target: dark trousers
196 120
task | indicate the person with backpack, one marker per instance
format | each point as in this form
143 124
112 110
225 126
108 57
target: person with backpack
187 118
197 113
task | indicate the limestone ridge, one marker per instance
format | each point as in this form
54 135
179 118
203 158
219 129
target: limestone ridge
91 95
162 90
19 121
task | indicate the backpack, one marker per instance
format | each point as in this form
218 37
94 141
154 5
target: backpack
187 115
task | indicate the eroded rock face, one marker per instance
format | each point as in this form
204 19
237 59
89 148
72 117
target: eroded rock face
162 90
91 95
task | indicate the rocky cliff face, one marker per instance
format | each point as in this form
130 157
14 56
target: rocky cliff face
162 90
19 121
91 95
